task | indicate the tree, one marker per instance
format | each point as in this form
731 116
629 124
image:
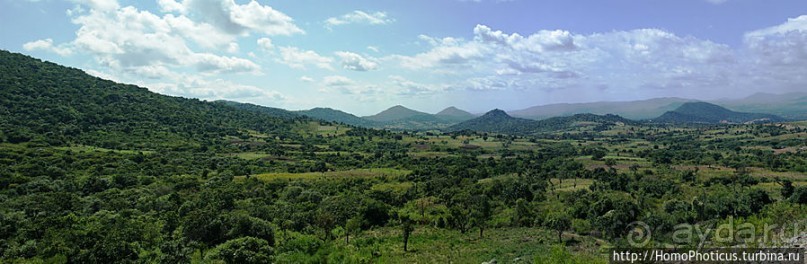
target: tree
242 250
460 211
240 224
799 195
610 162
481 212
559 221
406 227
634 168
339 208
598 154
461 217
422 205
326 222
353 226
787 188
523 215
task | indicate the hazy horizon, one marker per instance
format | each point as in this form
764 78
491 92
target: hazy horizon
363 57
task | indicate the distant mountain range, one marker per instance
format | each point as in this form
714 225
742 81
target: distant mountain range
637 110
396 117
790 106
497 121
700 112
661 110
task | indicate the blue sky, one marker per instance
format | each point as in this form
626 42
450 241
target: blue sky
365 56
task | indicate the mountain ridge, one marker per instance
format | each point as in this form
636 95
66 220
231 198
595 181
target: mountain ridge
638 109
702 112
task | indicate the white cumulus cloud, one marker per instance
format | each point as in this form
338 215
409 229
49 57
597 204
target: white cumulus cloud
47 45
265 43
356 62
297 58
359 17
232 18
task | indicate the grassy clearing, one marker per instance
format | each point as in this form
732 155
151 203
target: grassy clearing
622 165
429 154
574 184
333 175
505 245
249 155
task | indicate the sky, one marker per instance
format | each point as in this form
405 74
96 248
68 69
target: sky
365 56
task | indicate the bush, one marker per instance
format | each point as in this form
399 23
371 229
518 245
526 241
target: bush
581 226
241 250
799 195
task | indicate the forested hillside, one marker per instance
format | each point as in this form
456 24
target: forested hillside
41 101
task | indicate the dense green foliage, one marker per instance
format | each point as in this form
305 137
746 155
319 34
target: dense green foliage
97 172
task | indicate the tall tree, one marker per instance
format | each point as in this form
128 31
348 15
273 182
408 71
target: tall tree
481 212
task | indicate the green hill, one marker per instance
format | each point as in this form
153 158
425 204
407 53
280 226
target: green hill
566 122
334 115
402 118
396 113
43 101
701 112
454 114
496 121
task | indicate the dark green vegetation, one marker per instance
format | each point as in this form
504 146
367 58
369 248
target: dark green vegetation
700 112
97 172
